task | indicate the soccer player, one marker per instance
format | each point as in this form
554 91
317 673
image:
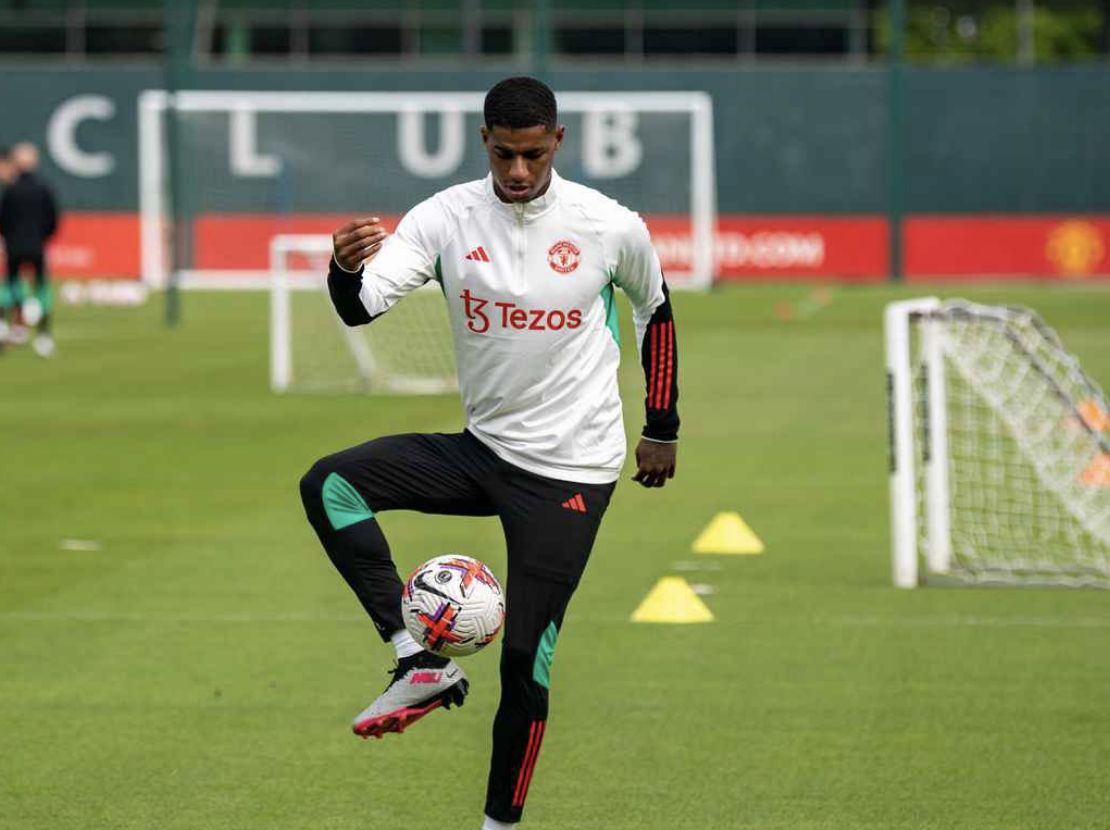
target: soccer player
28 218
528 263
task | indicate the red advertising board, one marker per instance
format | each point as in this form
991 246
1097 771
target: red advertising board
96 245
771 248
1007 247
791 247
241 241
853 249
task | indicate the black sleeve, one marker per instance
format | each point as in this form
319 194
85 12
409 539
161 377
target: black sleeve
659 356
343 286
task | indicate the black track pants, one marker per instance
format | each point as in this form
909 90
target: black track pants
549 525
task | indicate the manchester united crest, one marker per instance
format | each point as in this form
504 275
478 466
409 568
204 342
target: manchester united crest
563 256
1075 248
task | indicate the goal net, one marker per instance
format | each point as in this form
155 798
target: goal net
248 166
407 351
1000 449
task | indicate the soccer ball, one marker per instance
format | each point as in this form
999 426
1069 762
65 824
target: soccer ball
453 605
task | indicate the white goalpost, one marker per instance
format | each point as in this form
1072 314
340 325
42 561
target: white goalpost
293 156
999 450
407 351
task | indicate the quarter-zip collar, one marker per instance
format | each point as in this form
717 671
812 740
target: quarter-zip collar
527 211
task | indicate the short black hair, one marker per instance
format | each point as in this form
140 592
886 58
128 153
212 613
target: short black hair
521 102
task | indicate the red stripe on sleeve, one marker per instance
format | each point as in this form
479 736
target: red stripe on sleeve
655 338
664 353
670 366
651 366
660 362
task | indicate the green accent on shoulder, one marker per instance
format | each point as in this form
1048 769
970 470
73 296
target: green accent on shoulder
541 669
343 504
611 322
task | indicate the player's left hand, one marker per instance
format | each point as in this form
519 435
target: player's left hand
655 462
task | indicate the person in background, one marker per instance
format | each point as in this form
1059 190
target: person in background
28 218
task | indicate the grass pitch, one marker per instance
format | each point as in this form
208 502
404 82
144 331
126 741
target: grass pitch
176 651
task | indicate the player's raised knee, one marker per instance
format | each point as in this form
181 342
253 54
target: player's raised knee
312 482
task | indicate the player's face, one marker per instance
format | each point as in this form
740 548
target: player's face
521 160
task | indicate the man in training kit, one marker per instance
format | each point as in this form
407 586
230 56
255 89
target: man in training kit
28 218
528 263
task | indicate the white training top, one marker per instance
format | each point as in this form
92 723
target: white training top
529 290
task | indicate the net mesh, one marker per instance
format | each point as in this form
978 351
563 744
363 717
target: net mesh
406 351
1028 439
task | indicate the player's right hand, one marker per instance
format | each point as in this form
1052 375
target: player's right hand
357 241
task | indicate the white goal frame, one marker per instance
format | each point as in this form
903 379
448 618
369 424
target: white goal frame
284 281
925 495
153 104
903 474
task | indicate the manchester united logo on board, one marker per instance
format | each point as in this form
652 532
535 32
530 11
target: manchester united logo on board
1075 248
563 256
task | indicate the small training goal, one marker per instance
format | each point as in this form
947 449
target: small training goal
1000 450
406 351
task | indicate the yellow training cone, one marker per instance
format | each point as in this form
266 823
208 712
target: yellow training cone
728 533
672 600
